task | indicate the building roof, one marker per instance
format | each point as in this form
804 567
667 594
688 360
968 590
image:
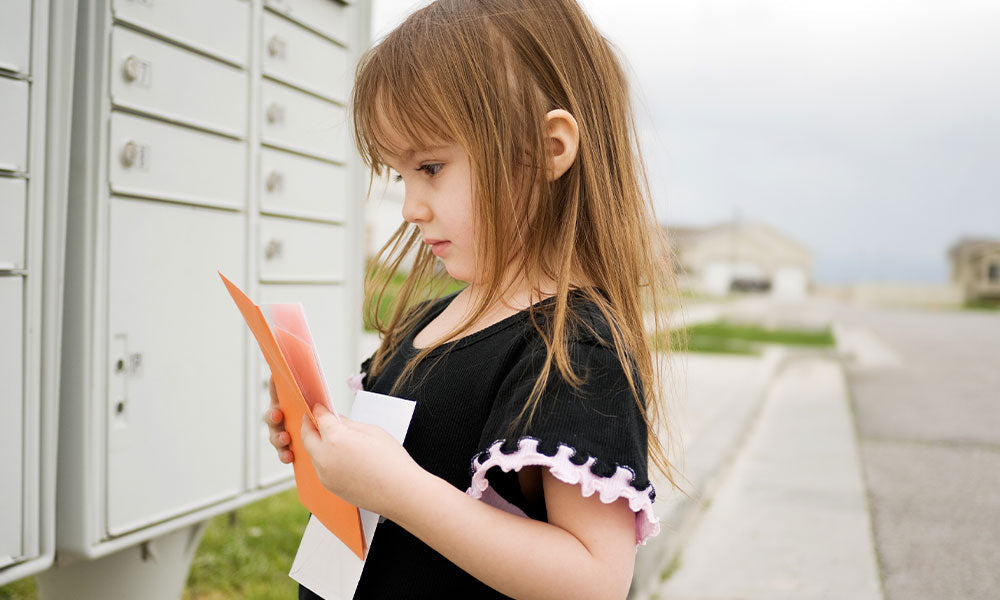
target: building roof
968 246
683 235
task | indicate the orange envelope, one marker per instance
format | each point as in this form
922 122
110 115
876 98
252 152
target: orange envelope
288 323
341 518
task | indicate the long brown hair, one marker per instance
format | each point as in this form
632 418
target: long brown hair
483 74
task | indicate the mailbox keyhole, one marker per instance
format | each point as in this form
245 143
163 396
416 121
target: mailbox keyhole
120 408
120 366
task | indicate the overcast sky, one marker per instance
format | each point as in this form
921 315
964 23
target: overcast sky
869 130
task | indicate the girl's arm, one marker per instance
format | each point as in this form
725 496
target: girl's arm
585 550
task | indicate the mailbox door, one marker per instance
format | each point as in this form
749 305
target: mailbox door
301 123
305 60
220 28
152 76
334 20
153 159
14 125
292 250
175 408
12 403
295 185
13 204
15 36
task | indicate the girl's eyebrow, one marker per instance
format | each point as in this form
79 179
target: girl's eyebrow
413 152
408 154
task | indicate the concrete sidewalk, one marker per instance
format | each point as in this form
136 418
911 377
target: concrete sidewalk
791 518
714 400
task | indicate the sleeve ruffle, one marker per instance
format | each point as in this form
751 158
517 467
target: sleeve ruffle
564 466
356 382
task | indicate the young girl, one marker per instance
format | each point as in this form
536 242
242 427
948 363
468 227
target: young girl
524 470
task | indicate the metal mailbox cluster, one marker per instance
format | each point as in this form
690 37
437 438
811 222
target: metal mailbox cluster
206 135
22 177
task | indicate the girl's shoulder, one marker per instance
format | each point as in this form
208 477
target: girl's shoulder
586 323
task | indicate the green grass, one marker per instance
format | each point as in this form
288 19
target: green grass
721 337
392 290
244 554
247 554
982 304
671 568
22 589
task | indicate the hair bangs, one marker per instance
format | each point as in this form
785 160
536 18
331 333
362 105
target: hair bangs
397 106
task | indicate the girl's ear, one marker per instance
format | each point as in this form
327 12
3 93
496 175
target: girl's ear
562 136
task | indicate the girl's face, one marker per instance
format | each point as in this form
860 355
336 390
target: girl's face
438 200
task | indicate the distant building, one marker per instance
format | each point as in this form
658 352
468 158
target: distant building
975 267
740 256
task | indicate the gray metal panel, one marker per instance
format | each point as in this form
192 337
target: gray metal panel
14 125
15 35
31 313
11 425
13 203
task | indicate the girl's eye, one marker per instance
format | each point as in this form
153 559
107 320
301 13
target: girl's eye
431 169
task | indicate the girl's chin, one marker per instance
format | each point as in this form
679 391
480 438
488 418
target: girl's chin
459 273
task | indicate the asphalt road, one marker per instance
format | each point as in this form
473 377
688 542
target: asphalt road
927 409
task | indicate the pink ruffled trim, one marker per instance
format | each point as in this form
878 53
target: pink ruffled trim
610 489
354 382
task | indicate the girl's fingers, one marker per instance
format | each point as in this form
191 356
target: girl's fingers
280 439
273 416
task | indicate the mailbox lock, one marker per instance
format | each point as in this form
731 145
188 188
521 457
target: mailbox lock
132 69
131 364
275 113
130 153
273 249
275 181
276 47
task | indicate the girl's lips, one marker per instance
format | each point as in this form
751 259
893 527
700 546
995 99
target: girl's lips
438 248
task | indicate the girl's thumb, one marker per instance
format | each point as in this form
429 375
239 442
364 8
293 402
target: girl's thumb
325 418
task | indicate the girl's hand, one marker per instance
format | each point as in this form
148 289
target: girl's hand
275 422
361 463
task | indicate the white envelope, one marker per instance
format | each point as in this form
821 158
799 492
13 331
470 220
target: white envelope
323 563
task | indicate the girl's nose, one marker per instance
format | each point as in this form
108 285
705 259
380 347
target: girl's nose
415 210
